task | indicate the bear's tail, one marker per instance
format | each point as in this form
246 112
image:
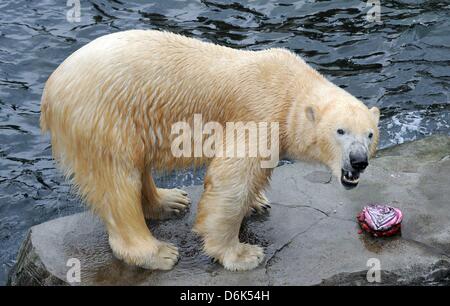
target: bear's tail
45 109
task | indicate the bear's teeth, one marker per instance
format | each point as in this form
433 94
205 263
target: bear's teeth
351 180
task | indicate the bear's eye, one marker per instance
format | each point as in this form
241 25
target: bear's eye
370 135
340 132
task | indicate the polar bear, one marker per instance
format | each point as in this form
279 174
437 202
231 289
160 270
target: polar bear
110 106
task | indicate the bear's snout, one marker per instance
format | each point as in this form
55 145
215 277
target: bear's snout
358 160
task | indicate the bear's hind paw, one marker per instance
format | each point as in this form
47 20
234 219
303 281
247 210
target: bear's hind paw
243 257
260 205
154 256
166 257
173 201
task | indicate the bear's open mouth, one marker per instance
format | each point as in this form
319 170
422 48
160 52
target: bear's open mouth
349 179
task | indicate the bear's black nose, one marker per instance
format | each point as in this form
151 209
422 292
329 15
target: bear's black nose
358 161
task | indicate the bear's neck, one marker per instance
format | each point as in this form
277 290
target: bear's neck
300 140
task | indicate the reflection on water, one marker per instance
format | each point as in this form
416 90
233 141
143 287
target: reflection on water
401 65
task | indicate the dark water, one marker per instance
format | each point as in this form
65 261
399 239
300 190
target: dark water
401 65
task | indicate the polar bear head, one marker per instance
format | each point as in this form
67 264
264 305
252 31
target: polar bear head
339 131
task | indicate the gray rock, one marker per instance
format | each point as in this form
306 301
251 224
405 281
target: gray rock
310 236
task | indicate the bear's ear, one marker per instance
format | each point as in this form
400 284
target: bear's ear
311 113
376 113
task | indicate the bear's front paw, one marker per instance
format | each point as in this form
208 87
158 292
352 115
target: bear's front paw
243 257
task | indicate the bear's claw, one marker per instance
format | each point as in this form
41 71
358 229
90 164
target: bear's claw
260 205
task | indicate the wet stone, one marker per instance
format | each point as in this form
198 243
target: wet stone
320 177
310 236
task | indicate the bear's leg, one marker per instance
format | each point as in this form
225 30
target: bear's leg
231 186
159 203
121 209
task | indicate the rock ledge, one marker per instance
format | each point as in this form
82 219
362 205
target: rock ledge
310 236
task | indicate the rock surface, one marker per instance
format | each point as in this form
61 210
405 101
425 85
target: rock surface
310 236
